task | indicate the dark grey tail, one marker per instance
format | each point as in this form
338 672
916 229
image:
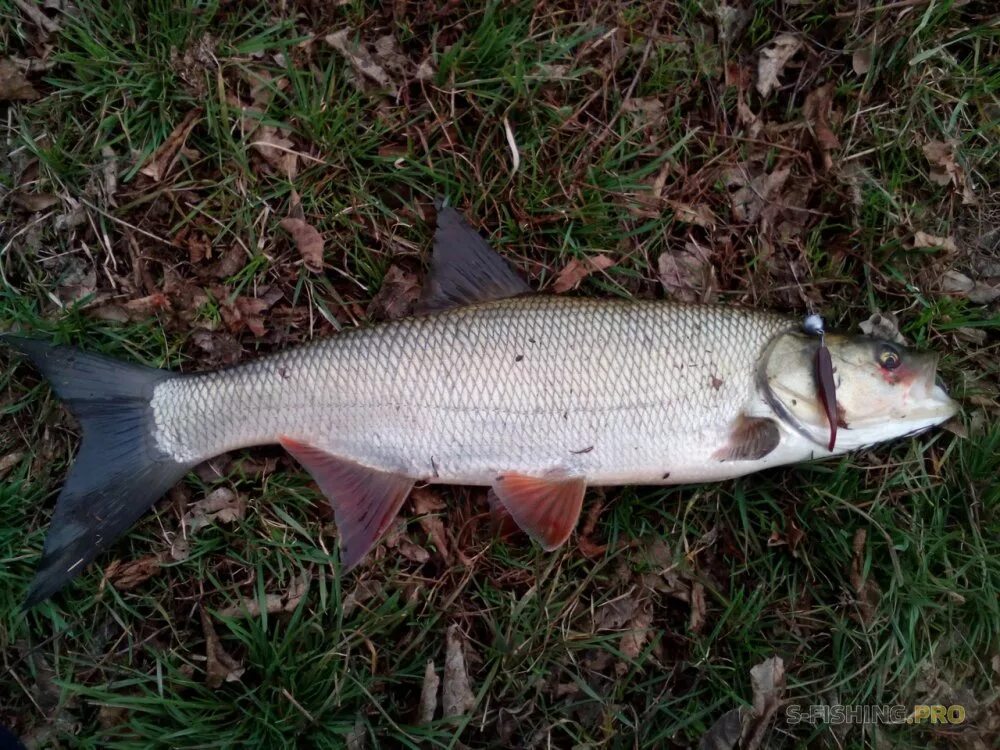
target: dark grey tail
119 472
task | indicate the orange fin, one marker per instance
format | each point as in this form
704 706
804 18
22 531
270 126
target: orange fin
752 439
364 500
547 509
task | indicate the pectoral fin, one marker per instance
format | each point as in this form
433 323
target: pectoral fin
547 509
752 438
364 500
464 268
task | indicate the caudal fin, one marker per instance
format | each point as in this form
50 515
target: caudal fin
118 473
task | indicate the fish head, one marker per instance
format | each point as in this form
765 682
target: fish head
884 390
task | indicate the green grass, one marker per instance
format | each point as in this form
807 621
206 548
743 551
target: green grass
98 667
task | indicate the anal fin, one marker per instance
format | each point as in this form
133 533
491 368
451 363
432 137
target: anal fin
547 509
364 500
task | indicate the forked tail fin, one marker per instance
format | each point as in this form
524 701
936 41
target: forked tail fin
119 471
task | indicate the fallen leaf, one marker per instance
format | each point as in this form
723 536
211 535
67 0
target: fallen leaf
634 639
701 215
767 680
945 169
396 297
220 667
428 695
866 591
125 576
163 158
457 697
883 326
358 56
724 733
9 461
221 348
577 270
425 71
275 147
686 274
772 61
13 85
245 312
222 505
697 619
861 60
365 590
308 241
427 504
980 292
731 21
273 603
756 193
816 110
923 239
35 202
388 56
411 550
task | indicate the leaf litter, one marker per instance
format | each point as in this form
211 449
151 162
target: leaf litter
457 698
747 728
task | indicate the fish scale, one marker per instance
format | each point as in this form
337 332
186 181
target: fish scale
611 390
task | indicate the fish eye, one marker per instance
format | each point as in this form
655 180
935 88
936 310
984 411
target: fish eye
888 357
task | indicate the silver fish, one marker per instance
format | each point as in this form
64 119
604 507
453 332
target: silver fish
535 396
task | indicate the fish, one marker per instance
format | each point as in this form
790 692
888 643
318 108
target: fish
536 396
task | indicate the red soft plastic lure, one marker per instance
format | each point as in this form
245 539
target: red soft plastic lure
825 383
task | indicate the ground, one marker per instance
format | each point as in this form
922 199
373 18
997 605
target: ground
189 185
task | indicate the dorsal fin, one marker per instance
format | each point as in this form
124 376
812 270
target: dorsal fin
464 268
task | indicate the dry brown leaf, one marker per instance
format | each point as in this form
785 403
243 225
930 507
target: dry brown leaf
222 505
772 61
816 110
883 326
577 270
411 550
273 603
767 680
639 631
428 695
865 589
697 619
980 292
686 275
275 147
861 60
701 215
613 615
923 239
220 666
358 56
308 241
13 85
125 576
245 312
724 733
945 169
755 193
34 202
9 461
457 697
426 505
397 296
163 158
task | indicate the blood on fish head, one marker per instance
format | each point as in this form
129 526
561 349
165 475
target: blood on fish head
884 390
